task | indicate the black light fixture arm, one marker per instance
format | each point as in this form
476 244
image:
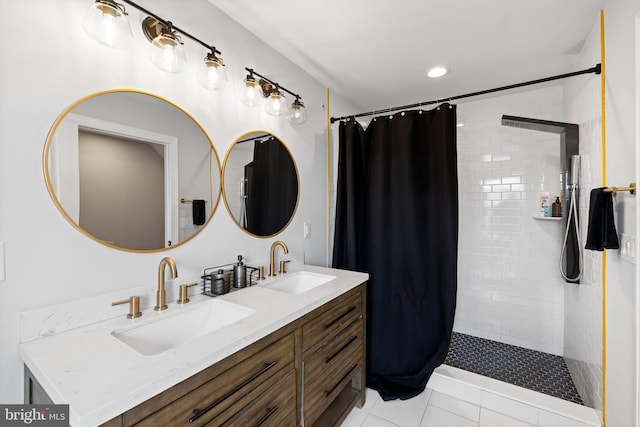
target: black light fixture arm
597 69
170 24
252 71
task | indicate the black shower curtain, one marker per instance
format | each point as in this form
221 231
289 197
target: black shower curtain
397 219
272 188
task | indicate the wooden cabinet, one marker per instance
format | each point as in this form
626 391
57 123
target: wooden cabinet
248 385
307 373
333 361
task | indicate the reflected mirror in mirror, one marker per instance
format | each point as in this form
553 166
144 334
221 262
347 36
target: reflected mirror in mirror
260 184
132 170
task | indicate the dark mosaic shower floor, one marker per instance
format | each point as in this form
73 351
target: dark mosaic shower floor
535 370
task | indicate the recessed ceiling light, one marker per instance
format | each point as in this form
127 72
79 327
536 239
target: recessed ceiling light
436 72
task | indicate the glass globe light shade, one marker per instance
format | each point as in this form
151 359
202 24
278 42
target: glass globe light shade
211 74
166 52
297 114
276 104
250 92
106 22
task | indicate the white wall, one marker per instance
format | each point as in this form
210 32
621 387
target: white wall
621 276
509 287
583 302
48 63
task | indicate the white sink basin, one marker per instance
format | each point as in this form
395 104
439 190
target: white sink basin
169 330
299 282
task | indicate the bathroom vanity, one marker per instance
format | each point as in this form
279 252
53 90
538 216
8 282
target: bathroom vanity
297 358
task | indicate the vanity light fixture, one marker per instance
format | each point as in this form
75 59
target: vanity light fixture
166 51
276 104
250 93
106 22
211 74
297 114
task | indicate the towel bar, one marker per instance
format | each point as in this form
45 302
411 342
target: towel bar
183 200
631 189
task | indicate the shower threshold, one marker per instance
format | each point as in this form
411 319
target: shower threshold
541 372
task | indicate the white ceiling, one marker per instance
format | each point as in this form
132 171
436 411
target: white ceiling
375 53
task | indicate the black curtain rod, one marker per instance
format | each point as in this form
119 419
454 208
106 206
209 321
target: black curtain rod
169 23
597 70
265 136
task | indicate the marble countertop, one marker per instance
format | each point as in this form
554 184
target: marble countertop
101 377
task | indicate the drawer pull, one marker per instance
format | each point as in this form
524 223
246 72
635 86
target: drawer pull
341 349
198 413
327 393
336 320
267 415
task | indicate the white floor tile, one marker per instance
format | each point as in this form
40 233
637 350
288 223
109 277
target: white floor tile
493 419
354 420
436 417
456 406
358 415
407 413
373 421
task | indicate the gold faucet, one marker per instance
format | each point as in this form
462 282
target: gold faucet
161 300
272 260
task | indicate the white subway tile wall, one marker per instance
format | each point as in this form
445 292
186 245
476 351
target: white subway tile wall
509 287
583 302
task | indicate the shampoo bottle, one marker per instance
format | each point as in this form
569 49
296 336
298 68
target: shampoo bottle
556 208
544 205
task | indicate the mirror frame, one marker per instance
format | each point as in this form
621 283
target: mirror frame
54 197
224 195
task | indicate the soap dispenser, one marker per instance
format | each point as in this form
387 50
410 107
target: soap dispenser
556 208
239 274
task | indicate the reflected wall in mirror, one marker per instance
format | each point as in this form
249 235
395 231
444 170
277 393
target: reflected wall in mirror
260 183
132 170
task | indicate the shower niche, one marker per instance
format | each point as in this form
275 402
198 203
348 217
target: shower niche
571 254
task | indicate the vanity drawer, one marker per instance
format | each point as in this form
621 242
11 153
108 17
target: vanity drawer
332 354
200 405
322 392
331 321
272 407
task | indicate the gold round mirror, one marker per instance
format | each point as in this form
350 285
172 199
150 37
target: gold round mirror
260 184
132 170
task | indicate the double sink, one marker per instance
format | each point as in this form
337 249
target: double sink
166 332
